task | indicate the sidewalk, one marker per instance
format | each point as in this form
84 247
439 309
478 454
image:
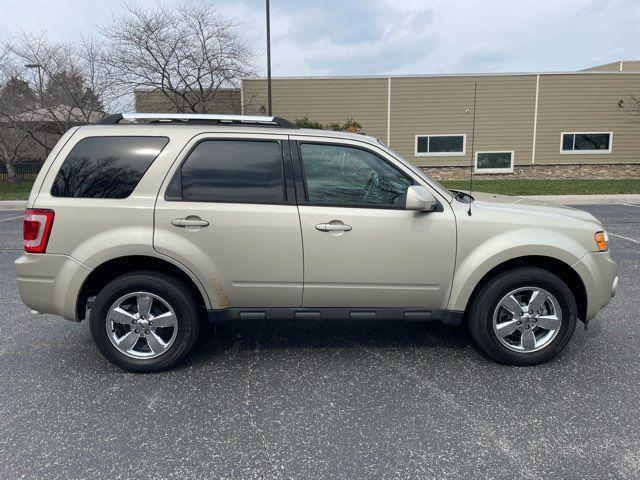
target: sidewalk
629 199
625 198
13 204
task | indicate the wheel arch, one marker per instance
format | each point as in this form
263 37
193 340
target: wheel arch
553 265
115 267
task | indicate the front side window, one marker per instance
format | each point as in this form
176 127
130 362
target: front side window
240 171
586 142
440 145
106 167
347 176
494 162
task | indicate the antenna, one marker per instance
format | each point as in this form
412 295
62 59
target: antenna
473 142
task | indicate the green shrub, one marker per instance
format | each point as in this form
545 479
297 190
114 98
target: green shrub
350 125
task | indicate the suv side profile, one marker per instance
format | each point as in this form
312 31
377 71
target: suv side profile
148 224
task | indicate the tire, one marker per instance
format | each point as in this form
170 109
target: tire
167 341
488 322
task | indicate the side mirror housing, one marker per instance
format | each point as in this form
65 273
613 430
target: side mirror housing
420 199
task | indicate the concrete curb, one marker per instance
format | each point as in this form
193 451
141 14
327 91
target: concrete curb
629 199
13 204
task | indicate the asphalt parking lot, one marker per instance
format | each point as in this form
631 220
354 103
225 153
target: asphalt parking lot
323 400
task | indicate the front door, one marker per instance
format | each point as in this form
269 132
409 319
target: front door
361 248
228 215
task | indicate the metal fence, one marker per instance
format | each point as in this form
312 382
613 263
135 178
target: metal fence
24 171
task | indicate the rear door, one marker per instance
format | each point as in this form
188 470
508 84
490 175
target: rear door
227 211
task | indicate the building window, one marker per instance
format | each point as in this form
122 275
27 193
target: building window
586 142
494 162
436 145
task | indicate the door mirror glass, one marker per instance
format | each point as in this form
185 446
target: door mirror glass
420 199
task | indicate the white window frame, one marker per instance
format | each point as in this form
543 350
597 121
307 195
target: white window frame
481 171
585 152
442 154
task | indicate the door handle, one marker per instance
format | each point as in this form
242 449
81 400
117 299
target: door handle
333 227
189 222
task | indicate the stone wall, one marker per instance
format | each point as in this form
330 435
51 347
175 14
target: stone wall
618 171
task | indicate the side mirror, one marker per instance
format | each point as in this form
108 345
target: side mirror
420 199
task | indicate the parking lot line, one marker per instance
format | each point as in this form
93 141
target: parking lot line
624 238
12 218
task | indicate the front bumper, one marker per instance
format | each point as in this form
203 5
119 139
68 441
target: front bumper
50 283
599 274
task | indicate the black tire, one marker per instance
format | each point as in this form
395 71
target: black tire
169 288
480 318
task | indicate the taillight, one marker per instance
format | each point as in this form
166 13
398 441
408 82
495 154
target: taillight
36 228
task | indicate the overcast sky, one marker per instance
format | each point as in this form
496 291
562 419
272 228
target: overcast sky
365 37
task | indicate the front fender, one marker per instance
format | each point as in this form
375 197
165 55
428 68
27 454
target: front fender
474 262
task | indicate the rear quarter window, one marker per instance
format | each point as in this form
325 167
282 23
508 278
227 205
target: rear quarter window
106 167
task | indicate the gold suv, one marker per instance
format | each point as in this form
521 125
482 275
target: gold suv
146 224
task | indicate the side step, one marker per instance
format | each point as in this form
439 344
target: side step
335 313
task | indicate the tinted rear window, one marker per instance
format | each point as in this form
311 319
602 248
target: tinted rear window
233 171
106 167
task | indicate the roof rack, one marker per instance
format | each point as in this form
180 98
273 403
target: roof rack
198 118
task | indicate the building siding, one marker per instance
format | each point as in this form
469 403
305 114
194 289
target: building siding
226 102
323 100
587 103
505 112
438 105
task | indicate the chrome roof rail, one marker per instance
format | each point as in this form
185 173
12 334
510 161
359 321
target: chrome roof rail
197 118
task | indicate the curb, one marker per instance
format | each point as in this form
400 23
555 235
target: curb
623 199
13 204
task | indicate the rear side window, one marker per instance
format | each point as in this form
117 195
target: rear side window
241 171
106 167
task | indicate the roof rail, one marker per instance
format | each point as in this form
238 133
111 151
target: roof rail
198 118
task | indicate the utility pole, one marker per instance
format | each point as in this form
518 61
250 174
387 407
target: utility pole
269 61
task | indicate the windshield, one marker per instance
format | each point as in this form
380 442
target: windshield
417 171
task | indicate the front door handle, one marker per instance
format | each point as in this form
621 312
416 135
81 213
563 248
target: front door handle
189 222
333 227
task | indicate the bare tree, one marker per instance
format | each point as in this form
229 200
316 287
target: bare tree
188 52
45 89
70 85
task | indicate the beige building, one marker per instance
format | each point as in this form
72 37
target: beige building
225 101
548 125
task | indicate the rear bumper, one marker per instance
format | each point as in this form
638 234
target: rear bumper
50 283
599 274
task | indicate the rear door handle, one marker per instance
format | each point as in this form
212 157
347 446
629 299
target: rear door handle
189 222
333 227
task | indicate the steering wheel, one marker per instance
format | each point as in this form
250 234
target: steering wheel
372 183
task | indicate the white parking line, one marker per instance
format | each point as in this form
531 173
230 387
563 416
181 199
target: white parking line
12 218
630 205
624 238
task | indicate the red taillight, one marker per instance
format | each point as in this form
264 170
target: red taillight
36 228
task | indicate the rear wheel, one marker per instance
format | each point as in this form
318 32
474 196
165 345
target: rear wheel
523 317
145 321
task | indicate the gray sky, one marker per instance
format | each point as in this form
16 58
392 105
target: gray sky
360 37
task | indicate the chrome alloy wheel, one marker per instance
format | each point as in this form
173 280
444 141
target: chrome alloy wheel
141 325
527 319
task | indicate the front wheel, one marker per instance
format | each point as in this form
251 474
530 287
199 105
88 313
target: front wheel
524 316
145 321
